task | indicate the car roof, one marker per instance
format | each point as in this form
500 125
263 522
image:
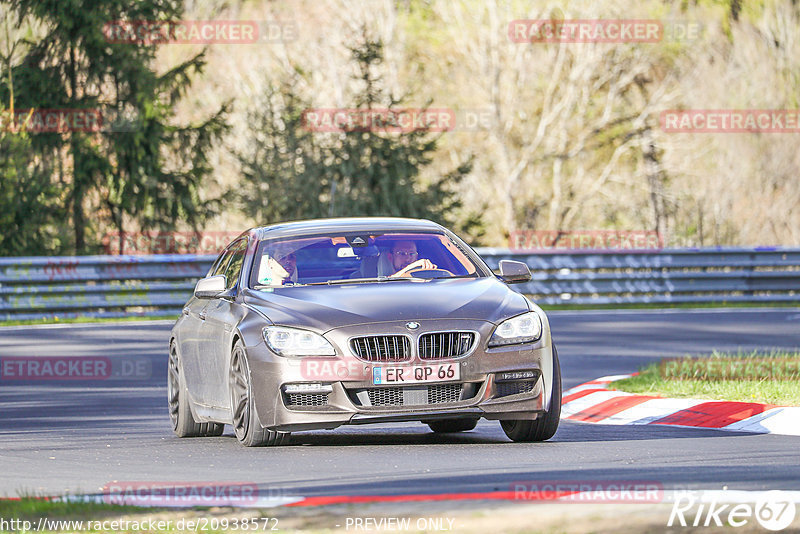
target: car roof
345 225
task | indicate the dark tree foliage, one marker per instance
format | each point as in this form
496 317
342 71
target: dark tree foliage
291 172
140 168
30 204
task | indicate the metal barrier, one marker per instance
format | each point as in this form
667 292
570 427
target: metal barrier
98 286
668 276
116 286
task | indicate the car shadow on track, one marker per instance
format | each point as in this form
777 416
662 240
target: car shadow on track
489 433
524 483
569 431
399 435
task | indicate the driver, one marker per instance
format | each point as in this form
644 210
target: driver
403 257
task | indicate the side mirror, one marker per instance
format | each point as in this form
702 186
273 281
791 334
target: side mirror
211 287
514 272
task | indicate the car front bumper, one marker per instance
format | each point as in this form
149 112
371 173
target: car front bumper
481 391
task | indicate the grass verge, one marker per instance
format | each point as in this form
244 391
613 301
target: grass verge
32 508
767 377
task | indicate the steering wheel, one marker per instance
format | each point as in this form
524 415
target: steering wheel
429 273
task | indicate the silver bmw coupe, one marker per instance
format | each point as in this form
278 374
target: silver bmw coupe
316 324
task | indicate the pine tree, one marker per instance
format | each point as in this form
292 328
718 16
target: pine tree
292 172
140 166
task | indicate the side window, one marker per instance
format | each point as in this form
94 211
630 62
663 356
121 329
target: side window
221 263
235 264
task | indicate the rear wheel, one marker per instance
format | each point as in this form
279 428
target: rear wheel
446 426
183 423
246 424
545 426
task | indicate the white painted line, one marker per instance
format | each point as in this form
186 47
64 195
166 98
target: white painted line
579 405
600 383
669 495
612 378
584 387
651 410
786 422
753 424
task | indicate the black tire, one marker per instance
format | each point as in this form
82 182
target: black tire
183 423
545 426
446 426
245 422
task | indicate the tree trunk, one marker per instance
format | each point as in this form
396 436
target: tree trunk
78 180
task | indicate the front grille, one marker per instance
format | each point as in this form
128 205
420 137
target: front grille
505 389
385 396
443 393
306 399
381 348
442 345
412 395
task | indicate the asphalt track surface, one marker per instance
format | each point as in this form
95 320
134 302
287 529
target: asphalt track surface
80 436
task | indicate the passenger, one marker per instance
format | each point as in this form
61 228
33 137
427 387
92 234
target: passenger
278 267
289 264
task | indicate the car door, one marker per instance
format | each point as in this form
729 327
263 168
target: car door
221 317
192 337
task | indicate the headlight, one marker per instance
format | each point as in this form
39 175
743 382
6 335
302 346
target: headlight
295 342
523 328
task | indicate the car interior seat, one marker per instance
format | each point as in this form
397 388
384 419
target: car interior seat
385 267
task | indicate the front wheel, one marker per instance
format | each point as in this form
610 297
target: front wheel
183 423
246 424
543 427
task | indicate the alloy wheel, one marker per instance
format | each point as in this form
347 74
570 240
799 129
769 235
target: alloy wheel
173 386
240 395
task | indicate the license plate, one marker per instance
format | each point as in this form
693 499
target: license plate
416 374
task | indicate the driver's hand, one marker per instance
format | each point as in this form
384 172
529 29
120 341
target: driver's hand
419 265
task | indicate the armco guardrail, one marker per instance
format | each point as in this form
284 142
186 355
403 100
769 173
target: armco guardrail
98 286
660 277
113 286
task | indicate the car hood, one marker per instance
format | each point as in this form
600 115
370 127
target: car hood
323 308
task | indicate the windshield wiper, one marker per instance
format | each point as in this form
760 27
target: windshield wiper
366 281
287 284
363 280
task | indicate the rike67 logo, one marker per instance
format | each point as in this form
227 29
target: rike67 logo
773 510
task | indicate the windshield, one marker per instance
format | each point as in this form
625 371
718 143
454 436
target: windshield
358 258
